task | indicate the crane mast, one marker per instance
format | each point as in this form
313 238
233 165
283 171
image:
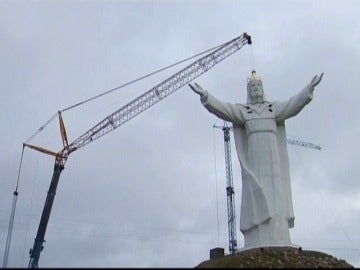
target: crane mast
121 116
230 193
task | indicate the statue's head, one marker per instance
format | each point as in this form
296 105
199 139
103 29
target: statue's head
255 92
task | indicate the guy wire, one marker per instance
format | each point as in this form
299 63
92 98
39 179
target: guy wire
216 190
138 79
12 214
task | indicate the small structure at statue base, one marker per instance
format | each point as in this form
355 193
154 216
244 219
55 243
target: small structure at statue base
216 253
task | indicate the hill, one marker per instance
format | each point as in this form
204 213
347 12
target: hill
276 257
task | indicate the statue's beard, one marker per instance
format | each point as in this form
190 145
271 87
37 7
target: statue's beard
257 98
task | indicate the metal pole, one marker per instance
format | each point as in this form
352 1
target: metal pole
11 224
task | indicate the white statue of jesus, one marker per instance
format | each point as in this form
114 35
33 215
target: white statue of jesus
261 145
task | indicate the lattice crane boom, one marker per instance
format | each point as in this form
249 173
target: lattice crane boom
304 144
158 92
121 116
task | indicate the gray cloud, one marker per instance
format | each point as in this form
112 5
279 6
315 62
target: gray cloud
145 195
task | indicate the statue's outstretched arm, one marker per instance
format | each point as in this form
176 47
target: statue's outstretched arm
223 110
290 108
198 90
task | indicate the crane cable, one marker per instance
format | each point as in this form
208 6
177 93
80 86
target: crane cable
119 87
216 188
252 57
42 127
12 214
138 79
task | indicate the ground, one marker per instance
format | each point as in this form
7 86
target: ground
276 257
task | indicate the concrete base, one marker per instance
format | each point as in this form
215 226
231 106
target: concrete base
257 247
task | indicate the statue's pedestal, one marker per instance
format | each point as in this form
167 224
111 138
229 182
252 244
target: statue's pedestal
272 246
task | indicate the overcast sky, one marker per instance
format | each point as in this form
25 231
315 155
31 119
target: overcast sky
152 193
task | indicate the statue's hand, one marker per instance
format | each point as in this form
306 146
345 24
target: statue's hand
198 89
316 80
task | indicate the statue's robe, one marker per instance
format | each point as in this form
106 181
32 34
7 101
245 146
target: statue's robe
261 145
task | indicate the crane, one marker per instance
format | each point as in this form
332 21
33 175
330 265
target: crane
304 144
118 118
230 193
